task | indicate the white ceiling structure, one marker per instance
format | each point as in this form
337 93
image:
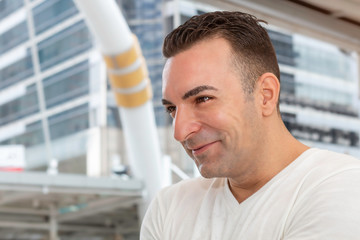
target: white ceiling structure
347 10
34 205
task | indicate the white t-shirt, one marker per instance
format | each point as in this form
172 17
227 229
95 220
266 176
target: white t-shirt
316 197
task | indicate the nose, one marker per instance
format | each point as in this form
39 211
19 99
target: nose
185 124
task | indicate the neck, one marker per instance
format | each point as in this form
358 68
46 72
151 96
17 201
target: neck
279 150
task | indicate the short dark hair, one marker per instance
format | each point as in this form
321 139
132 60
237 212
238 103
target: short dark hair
253 51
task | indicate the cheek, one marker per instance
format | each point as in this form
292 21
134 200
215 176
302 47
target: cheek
226 120
216 120
237 125
226 126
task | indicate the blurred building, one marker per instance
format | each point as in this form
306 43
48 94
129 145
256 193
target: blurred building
55 100
319 98
54 95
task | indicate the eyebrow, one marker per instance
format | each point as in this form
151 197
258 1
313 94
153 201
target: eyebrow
192 92
197 90
166 102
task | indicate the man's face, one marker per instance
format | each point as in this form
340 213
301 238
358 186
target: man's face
215 121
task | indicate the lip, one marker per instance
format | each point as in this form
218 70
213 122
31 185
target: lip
199 150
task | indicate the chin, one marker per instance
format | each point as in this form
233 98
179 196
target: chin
207 173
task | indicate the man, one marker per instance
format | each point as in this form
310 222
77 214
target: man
221 86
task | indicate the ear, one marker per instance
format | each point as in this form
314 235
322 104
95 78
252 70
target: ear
269 92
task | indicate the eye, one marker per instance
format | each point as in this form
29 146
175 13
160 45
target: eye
202 99
171 110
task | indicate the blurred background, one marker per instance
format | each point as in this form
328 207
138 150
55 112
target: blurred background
65 171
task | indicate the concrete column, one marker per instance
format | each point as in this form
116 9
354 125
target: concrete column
53 223
118 235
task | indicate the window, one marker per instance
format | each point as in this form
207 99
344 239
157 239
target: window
20 107
16 71
52 12
67 85
287 84
283 47
13 37
322 58
113 117
32 136
64 45
69 122
161 117
9 6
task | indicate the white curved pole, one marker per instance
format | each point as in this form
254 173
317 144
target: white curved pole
131 86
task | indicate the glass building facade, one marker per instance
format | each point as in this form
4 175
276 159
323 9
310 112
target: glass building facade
53 82
55 98
319 92
41 38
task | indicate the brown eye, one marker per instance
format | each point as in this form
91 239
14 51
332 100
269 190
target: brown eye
171 110
202 99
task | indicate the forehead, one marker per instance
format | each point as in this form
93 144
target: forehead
209 62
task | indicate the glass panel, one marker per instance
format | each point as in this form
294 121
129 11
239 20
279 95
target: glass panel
322 58
9 6
315 67
287 84
150 37
52 12
162 118
16 72
113 117
32 136
283 47
69 122
13 37
322 95
20 107
67 85
64 45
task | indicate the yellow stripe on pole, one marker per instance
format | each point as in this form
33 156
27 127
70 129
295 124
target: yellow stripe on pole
134 99
130 79
126 58
122 78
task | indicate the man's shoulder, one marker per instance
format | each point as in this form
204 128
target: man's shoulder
323 169
326 196
197 184
330 160
190 188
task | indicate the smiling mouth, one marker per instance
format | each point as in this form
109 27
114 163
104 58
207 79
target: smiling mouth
200 150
